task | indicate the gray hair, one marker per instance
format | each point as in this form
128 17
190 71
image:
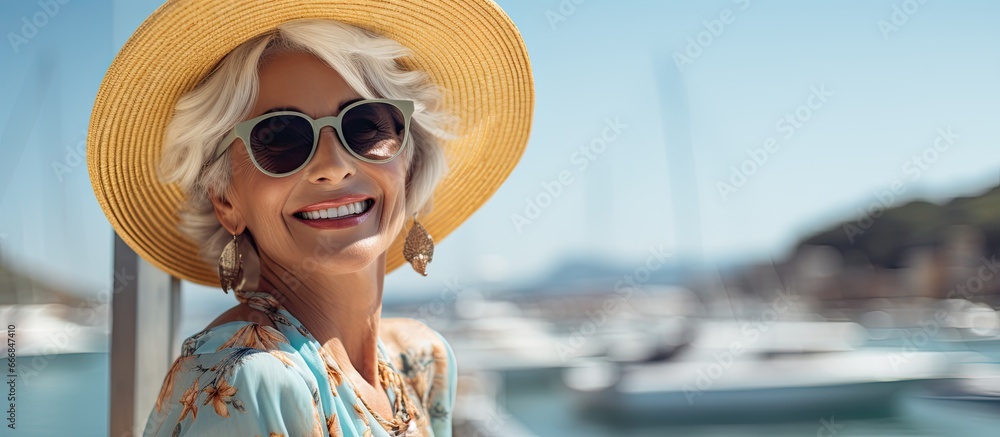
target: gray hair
203 116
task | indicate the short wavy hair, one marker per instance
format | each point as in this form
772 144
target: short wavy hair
368 62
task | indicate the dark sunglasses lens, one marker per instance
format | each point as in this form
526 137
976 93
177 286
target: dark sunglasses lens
374 130
281 143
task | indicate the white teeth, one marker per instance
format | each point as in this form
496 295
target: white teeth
354 208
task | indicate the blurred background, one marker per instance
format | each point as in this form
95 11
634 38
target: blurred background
734 217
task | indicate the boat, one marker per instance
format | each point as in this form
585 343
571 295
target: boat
966 404
792 372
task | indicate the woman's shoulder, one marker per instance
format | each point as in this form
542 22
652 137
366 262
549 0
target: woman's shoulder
240 326
426 360
413 342
237 391
238 375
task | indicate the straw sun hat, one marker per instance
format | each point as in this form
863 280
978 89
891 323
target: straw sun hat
468 47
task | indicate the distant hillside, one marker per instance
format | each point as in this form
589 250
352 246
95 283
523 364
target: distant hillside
919 223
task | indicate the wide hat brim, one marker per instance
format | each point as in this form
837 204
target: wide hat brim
468 47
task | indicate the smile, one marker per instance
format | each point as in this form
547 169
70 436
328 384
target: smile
353 209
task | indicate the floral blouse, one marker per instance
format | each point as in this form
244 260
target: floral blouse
246 379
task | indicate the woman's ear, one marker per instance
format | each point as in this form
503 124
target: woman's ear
227 213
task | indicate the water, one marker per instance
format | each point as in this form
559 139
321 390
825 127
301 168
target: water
545 406
68 396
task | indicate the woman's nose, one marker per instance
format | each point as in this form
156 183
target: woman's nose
331 161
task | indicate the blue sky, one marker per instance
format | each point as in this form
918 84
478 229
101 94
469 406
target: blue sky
683 129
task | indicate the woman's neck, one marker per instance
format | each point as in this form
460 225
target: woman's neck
342 312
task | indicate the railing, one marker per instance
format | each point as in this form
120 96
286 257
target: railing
145 314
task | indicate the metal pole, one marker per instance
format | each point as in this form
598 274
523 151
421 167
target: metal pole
144 319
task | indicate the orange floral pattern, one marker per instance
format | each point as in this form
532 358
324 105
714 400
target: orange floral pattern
255 336
229 368
189 401
220 395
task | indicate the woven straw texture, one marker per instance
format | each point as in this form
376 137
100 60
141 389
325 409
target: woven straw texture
469 47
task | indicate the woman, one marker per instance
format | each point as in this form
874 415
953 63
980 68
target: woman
293 140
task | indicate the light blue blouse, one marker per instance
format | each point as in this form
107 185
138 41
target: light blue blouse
246 379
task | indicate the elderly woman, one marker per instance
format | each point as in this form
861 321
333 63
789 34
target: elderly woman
280 149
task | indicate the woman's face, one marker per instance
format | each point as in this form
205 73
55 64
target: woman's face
270 207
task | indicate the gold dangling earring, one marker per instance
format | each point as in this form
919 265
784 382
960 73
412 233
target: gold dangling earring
231 267
418 248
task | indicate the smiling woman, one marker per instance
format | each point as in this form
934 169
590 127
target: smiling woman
293 141
298 67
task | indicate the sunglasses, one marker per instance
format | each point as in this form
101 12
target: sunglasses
281 143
